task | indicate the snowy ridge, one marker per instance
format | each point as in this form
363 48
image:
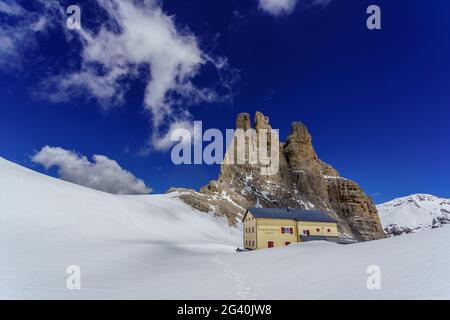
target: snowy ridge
414 213
47 224
156 247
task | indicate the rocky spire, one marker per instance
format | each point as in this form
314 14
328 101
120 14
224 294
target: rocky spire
243 121
303 181
299 151
261 121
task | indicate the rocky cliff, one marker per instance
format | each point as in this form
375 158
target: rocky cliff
302 181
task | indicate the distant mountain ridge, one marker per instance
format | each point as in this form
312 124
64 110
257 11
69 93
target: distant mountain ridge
414 213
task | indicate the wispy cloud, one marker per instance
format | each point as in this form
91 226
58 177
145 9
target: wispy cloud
286 7
10 8
102 173
144 38
19 27
277 7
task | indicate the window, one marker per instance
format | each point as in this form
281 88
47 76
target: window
287 230
318 230
270 244
328 230
253 229
306 232
253 243
287 243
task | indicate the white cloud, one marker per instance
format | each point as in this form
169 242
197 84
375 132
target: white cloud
148 37
10 8
163 142
17 33
143 37
102 173
285 7
277 7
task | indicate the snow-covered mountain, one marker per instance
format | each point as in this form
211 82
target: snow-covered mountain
157 247
414 213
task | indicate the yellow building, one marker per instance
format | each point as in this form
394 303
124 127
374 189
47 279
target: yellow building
279 227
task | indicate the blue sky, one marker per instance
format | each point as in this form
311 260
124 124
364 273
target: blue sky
375 102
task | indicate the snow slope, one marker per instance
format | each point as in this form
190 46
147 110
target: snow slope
414 213
156 247
121 243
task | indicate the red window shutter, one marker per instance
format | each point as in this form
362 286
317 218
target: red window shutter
291 230
282 230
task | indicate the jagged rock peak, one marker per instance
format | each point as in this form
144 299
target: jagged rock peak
243 121
300 132
299 149
303 181
261 121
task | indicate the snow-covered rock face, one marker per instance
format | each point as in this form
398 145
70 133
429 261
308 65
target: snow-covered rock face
414 213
